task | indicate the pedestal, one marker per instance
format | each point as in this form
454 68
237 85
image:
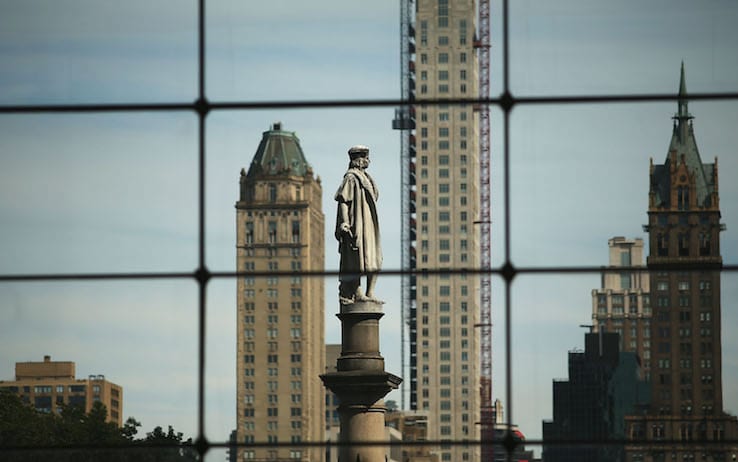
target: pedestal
361 384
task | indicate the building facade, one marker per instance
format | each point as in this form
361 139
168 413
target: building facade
332 352
444 309
49 385
622 304
684 263
603 387
413 428
280 329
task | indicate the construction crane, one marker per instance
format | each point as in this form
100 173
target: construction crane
487 414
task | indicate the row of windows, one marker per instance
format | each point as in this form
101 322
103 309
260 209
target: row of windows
272 319
683 246
273 385
294 358
445 216
683 286
272 252
272 266
444 290
445 332
443 75
685 363
443 132
444 201
272 306
442 145
273 346
271 232
442 88
272 332
444 116
271 426
47 389
445 320
272 293
443 58
271 399
271 280
663 301
445 405
444 307
272 372
250 454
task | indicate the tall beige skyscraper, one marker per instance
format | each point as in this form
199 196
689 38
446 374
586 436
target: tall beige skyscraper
280 230
444 343
623 304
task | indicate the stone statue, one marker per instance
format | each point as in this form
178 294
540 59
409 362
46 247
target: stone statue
357 229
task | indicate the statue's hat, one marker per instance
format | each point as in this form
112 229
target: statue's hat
358 151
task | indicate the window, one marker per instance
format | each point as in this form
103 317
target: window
443 58
272 232
249 236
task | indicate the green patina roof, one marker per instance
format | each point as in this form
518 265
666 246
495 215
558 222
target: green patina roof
684 144
279 154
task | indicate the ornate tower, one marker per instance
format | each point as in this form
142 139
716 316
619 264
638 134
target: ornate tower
280 322
684 266
684 269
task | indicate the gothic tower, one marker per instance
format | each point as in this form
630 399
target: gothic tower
684 266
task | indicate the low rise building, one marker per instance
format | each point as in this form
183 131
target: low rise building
50 385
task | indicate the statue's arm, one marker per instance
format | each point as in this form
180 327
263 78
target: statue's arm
344 224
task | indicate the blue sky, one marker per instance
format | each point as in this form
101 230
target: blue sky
117 192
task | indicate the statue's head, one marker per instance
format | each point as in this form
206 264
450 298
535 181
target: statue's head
359 156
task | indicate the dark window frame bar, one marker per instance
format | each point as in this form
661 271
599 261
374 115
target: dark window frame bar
202 107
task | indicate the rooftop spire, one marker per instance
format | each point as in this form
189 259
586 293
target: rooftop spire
683 112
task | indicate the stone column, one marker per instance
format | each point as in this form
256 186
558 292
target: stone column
361 383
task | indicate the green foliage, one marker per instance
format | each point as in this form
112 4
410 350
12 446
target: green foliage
82 437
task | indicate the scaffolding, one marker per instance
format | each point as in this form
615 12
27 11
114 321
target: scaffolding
405 122
482 44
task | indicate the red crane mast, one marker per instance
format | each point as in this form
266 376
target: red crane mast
482 44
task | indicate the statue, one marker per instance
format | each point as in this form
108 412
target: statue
357 229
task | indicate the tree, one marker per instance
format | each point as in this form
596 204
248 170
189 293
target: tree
82 437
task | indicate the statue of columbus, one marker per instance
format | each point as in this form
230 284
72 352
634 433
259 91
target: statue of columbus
357 229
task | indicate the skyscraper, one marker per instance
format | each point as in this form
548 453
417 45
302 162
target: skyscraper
444 309
684 263
603 387
280 320
623 304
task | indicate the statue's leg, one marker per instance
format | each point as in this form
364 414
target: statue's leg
371 280
350 289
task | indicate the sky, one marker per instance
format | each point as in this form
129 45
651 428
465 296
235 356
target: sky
118 192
